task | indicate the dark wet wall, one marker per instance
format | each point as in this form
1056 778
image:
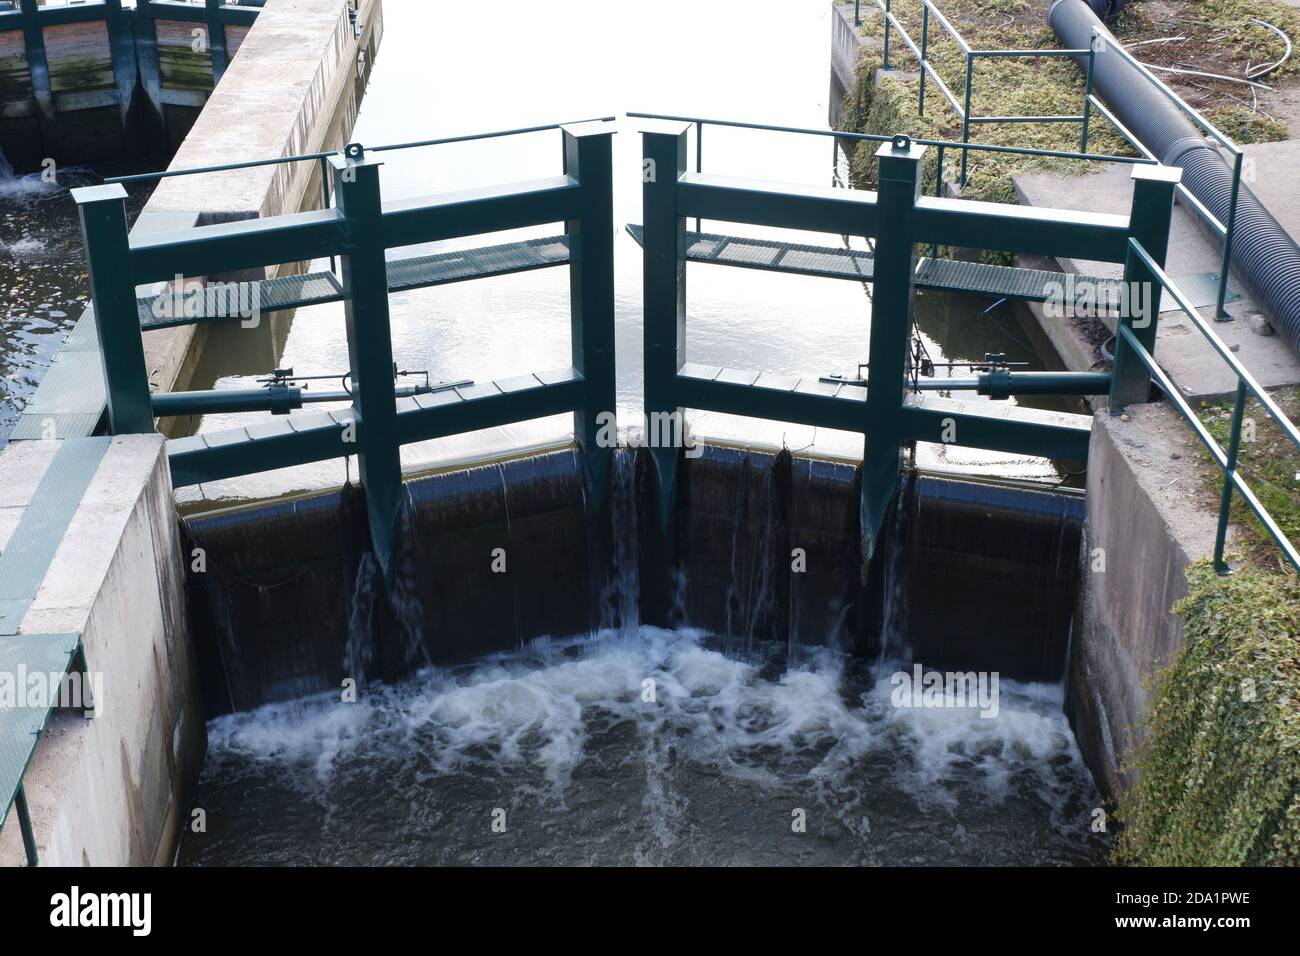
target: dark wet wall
761 548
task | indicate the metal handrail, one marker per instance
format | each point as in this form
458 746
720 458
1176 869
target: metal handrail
941 145
1247 385
877 138
248 164
963 109
1225 230
322 158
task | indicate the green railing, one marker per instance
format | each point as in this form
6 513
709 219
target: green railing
1134 360
899 219
359 229
1098 45
963 108
941 146
322 159
1224 230
362 227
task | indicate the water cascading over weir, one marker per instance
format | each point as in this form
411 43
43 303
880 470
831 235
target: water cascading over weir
757 547
764 550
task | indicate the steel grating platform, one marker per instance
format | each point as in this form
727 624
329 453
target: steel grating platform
70 399
317 288
31 547
461 264
750 253
939 275
273 295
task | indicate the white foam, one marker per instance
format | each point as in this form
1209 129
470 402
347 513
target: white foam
23 248
534 713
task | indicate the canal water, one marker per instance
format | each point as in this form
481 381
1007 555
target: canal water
634 746
42 276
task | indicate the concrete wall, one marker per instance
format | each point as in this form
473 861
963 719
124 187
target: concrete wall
1149 516
112 790
292 90
846 43
290 603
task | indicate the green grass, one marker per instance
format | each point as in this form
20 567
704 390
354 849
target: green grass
1243 125
1270 465
1003 87
1250 40
1038 87
1219 771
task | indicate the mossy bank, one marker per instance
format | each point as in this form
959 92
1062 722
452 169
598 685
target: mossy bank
1220 766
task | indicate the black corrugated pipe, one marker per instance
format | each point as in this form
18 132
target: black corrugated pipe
1106 8
1264 253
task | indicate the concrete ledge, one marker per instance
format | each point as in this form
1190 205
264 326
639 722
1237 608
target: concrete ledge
1148 517
111 790
280 97
1180 348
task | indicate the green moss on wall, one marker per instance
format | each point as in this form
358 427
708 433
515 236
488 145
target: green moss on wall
1219 780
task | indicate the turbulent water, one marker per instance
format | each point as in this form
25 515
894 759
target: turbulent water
42 277
646 747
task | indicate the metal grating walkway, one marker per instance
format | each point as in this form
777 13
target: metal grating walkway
940 275
30 549
316 288
444 267
750 253
70 399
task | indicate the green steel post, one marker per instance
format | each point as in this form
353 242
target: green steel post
216 41
588 151
1149 217
938 191
885 58
699 162
145 27
891 326
925 41
25 825
1087 98
1229 227
121 42
857 13
117 320
38 69
370 347
664 297
325 196
965 116
1225 500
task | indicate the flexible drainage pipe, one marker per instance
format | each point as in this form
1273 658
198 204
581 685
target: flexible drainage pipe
1264 253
